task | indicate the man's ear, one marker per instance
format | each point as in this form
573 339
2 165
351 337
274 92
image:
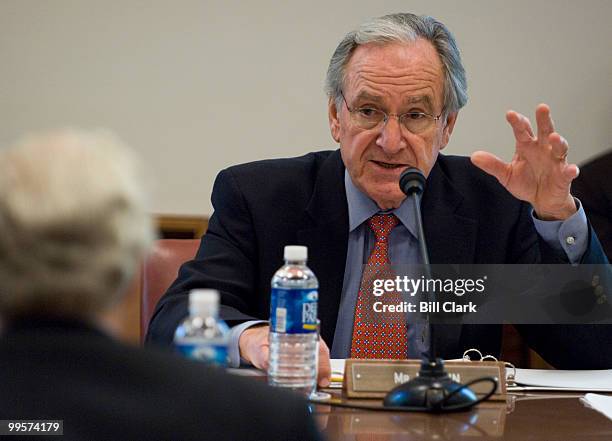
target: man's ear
334 122
451 119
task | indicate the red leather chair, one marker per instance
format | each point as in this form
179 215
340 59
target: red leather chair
159 271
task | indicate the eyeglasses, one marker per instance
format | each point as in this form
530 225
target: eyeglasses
369 118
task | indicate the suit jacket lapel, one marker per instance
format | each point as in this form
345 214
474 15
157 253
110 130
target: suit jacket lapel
324 230
450 227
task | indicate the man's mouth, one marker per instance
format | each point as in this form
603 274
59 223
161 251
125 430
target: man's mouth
388 165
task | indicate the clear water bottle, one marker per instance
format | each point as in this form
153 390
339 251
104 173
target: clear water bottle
293 324
203 336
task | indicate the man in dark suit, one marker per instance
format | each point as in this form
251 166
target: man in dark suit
594 189
73 227
395 87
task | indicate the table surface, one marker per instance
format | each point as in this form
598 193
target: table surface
535 416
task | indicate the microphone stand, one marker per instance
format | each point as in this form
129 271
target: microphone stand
432 390
416 193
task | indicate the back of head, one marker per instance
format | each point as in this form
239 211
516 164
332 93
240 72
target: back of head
73 224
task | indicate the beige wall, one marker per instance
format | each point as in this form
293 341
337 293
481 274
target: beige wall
196 86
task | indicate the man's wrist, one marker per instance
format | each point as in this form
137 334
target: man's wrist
569 236
558 214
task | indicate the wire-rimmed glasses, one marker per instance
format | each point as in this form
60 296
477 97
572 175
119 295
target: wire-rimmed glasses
368 118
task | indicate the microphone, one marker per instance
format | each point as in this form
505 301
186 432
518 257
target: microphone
432 390
412 183
412 180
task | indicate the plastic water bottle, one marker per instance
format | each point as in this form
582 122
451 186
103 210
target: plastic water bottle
203 336
293 324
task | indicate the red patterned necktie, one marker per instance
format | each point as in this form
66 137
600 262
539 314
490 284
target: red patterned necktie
378 334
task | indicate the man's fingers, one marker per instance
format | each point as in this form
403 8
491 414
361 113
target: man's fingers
559 150
559 146
492 165
254 346
262 357
544 122
259 353
324 365
571 172
520 126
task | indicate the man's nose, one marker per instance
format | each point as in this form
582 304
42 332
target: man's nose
391 139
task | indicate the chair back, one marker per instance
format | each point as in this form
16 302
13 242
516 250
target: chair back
159 271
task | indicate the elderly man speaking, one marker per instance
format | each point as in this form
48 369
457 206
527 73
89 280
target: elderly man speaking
395 86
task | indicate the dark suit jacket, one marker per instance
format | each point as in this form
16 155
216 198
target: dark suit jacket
594 189
261 207
104 390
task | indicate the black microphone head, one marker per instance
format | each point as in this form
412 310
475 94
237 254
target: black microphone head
412 180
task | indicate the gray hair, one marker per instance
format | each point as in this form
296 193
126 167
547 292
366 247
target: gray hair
405 28
73 224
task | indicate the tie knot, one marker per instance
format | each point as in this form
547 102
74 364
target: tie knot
382 224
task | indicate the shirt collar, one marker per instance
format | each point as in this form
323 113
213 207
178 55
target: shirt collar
361 208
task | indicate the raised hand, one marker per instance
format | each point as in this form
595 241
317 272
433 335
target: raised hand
539 172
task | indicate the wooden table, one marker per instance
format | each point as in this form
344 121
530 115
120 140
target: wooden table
537 416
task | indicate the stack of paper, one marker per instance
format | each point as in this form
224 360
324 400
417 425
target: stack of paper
566 381
337 368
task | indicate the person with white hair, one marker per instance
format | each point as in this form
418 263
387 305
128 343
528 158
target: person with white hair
73 224
73 228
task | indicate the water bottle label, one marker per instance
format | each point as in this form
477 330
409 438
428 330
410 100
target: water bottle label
293 311
215 354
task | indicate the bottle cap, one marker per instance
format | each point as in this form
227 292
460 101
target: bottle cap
203 300
296 252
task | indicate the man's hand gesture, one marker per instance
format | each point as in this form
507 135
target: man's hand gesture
539 172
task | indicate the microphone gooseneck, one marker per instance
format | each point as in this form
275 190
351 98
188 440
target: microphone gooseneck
412 183
432 390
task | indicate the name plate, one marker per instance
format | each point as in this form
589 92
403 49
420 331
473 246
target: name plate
374 378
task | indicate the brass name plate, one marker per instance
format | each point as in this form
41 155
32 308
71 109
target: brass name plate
374 378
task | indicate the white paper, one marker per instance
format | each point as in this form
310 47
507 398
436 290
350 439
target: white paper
582 380
337 366
600 403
